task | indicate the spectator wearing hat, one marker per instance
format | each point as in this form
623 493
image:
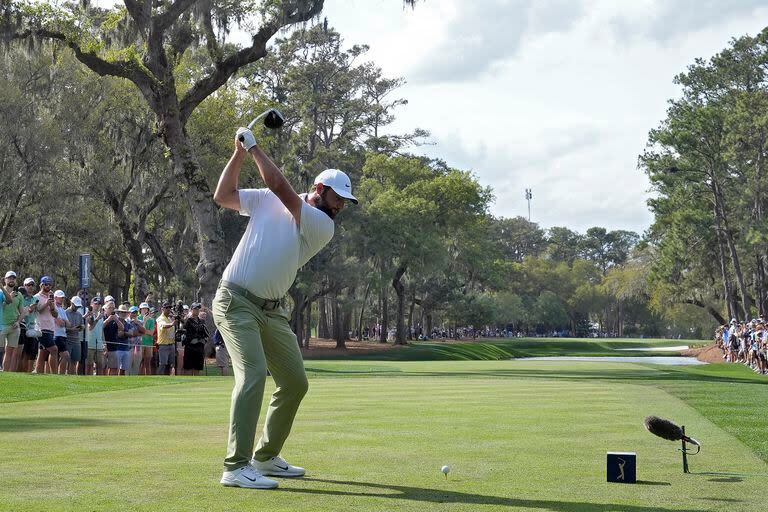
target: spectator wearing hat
28 327
147 339
10 330
94 319
134 325
75 331
61 322
166 342
116 339
196 334
3 296
48 356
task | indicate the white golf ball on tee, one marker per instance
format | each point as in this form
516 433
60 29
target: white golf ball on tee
445 470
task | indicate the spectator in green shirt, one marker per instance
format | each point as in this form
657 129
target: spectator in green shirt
147 340
13 308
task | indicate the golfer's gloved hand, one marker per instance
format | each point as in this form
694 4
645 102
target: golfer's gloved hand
246 138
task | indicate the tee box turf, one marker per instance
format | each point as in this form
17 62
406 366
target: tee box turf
622 467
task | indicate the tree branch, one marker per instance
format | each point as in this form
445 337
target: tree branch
229 66
167 18
224 70
124 69
140 11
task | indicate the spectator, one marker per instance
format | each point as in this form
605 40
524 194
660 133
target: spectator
74 334
95 337
137 328
114 334
10 332
179 323
148 339
61 322
223 360
166 342
196 334
30 331
126 331
48 356
85 301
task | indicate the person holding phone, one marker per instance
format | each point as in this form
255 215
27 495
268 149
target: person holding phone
46 320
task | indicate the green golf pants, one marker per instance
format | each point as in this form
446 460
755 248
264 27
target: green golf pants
258 340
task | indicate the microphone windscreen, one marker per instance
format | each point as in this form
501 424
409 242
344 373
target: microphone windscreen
663 428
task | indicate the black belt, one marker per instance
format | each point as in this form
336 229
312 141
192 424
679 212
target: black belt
265 304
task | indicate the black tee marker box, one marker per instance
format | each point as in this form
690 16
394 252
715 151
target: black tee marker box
622 467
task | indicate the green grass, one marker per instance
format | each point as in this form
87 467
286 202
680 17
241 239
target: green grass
18 387
493 349
518 435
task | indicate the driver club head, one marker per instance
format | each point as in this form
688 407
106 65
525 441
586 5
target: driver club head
273 119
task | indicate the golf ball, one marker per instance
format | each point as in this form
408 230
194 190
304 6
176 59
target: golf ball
445 470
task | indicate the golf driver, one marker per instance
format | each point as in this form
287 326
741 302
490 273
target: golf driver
273 119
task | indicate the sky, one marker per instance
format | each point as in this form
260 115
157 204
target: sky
553 95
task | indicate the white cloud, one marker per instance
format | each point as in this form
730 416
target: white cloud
554 95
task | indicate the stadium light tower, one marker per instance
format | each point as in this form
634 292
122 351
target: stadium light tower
528 197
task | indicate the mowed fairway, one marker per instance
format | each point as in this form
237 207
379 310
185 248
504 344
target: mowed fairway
518 435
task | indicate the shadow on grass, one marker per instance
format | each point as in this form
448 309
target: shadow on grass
648 482
730 476
18 424
441 496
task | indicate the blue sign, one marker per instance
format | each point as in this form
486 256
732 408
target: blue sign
85 271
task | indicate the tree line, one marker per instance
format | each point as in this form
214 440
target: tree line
707 164
117 122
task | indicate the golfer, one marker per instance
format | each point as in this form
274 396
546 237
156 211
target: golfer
284 231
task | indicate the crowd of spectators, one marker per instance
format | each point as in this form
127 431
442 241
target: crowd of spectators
43 331
745 342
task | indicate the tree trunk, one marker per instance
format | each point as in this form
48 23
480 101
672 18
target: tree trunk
362 311
758 215
322 325
384 315
760 285
205 218
127 283
338 324
297 317
400 291
745 302
410 317
161 257
727 286
308 324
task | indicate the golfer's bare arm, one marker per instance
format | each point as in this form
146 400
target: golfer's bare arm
227 194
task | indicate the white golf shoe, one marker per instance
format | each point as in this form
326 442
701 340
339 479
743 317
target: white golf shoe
247 477
276 466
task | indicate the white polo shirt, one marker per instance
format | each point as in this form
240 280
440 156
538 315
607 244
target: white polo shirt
273 247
